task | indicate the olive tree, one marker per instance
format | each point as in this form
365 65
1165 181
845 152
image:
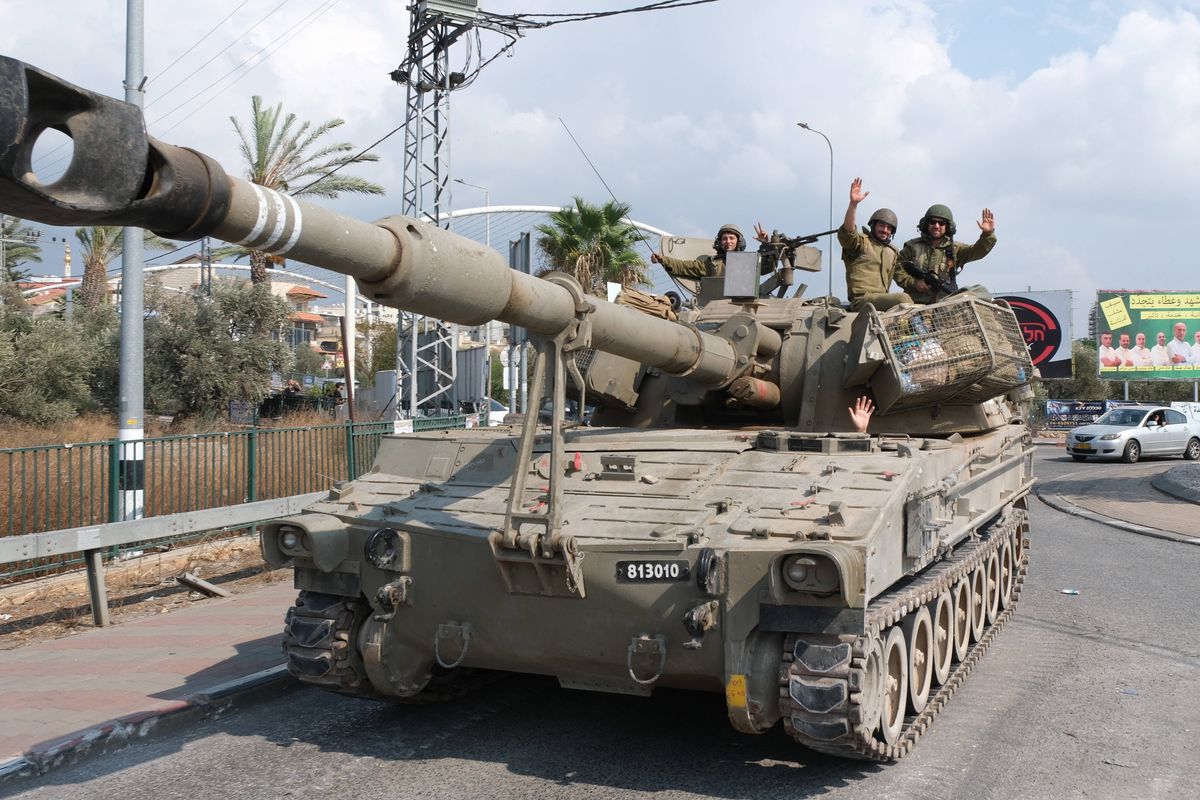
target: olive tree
202 352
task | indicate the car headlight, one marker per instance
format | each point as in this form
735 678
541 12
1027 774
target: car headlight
1108 437
811 573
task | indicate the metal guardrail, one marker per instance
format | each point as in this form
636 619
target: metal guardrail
93 541
114 534
61 500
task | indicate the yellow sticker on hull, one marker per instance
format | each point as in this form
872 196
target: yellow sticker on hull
735 691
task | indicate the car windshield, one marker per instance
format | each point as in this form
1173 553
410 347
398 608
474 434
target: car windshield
1122 417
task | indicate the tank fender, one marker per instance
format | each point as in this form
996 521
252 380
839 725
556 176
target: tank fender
393 667
752 682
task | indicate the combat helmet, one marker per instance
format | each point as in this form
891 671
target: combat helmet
938 211
729 227
886 216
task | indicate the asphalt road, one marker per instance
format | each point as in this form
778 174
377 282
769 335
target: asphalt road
1094 694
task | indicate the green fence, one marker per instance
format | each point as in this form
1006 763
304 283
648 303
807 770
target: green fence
67 486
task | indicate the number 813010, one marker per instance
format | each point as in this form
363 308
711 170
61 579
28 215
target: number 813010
652 571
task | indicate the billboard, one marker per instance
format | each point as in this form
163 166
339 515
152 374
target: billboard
1148 335
1062 415
1045 319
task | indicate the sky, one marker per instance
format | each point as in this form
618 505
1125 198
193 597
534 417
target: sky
1075 122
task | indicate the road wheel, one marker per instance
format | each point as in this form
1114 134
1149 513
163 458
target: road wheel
1133 452
962 618
895 685
871 698
1007 573
922 653
1192 452
943 636
992 577
978 582
1078 457
1018 547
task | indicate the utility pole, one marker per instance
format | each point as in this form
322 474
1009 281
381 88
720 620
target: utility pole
131 430
435 25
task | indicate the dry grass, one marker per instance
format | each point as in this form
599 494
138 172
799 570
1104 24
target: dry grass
88 428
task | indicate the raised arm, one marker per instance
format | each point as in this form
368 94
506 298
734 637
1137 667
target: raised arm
857 195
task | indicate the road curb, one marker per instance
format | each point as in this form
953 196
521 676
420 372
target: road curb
1060 503
123 731
1182 482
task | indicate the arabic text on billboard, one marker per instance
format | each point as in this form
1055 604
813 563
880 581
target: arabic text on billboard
1148 335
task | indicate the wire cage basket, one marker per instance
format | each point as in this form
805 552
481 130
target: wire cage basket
964 350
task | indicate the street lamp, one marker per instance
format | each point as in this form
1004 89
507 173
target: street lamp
830 145
487 203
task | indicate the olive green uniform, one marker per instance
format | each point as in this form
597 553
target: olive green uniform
703 267
870 265
927 257
708 266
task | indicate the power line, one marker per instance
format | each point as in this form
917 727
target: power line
531 20
304 22
219 53
47 166
276 43
197 43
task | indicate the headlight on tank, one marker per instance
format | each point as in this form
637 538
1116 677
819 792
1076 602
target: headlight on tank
388 549
291 540
811 573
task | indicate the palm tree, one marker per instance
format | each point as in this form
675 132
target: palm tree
19 246
101 244
595 244
278 156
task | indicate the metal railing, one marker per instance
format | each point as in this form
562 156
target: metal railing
57 487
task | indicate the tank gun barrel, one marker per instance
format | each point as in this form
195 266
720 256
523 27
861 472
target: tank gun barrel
119 175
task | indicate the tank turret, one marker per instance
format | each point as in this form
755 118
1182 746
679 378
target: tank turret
722 526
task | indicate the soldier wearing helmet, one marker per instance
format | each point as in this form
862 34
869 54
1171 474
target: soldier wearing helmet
936 251
729 238
869 255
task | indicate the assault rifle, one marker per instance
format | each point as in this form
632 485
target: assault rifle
943 286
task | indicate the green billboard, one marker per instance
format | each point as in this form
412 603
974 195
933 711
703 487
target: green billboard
1148 335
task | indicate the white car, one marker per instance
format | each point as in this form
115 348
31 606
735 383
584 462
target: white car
499 412
1130 432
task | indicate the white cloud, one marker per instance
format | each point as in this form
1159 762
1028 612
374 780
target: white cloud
1084 149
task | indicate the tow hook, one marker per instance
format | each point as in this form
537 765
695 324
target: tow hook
391 596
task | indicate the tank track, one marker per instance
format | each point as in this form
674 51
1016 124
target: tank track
319 641
841 731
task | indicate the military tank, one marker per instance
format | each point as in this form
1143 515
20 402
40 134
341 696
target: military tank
721 526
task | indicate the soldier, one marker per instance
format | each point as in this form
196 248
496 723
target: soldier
935 251
869 255
729 237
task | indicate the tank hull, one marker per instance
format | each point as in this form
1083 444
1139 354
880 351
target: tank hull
676 571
